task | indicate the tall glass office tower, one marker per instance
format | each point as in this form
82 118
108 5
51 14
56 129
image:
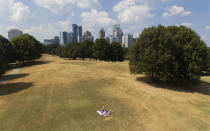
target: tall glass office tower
77 32
63 38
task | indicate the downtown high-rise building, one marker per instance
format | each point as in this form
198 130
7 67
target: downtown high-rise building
77 32
127 40
63 38
112 39
117 33
56 40
14 33
70 37
87 36
102 33
48 41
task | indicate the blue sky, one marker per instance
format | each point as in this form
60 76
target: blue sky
46 18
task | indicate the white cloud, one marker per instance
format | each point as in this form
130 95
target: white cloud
176 10
1 30
94 20
131 12
123 5
187 24
61 6
42 32
10 27
48 31
206 38
66 24
14 11
20 12
55 5
207 28
88 3
4 5
166 0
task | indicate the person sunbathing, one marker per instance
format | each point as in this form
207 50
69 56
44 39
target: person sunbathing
103 110
109 112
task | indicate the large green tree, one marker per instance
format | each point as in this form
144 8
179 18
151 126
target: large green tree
172 54
5 54
3 64
27 48
86 49
7 50
101 50
50 48
208 61
116 52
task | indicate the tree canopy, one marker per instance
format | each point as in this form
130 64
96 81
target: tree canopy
100 50
169 54
4 54
117 53
26 48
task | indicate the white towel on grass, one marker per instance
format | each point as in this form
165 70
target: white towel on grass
100 112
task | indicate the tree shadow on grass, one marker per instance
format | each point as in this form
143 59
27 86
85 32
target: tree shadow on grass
202 88
7 89
12 76
32 63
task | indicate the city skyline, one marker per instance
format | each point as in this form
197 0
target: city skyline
77 36
45 19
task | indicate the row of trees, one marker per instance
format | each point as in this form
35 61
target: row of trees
23 49
170 54
100 50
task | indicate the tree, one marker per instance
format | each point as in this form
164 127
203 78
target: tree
7 50
59 51
3 65
116 52
50 48
126 53
86 49
208 61
101 50
169 54
4 54
27 48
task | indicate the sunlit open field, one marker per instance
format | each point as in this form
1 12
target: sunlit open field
57 94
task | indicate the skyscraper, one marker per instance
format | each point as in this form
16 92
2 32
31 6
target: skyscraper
56 40
48 41
87 36
74 29
14 33
102 33
70 37
117 33
127 40
77 32
63 38
112 39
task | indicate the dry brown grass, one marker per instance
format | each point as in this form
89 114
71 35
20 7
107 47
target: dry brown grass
64 95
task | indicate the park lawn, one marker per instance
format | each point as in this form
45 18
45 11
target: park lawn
59 94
